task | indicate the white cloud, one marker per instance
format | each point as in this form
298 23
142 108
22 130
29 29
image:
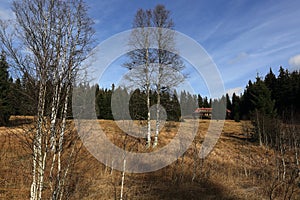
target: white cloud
294 62
237 91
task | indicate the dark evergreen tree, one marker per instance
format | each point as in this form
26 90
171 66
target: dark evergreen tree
5 107
174 112
103 104
17 100
210 103
29 94
138 105
246 105
284 93
235 112
228 102
206 103
263 112
295 97
200 101
271 83
260 98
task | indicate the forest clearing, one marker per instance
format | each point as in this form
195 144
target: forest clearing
237 168
112 100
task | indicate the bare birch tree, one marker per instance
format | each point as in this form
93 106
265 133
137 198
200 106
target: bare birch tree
169 64
154 68
141 59
53 37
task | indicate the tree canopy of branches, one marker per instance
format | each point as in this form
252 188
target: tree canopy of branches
159 67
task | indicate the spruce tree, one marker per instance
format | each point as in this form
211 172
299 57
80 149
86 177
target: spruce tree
175 112
200 101
228 102
5 108
264 111
235 112
206 103
271 83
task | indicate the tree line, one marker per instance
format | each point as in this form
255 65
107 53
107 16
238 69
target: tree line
271 96
19 97
176 104
269 103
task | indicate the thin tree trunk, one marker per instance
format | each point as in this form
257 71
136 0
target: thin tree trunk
38 164
53 118
123 179
112 167
53 142
258 128
158 87
33 188
296 149
58 193
282 153
148 119
157 119
61 195
148 97
283 163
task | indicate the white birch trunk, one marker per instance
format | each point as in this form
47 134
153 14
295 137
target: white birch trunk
41 152
148 142
157 119
33 188
282 152
58 191
38 165
158 84
54 111
123 179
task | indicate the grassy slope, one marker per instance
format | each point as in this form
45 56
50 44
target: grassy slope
235 169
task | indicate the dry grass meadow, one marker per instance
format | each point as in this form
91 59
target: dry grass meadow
237 168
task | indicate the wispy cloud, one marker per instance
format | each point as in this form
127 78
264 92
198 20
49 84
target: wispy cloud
254 38
238 58
242 37
294 62
237 91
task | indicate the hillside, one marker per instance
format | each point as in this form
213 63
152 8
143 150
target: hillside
237 168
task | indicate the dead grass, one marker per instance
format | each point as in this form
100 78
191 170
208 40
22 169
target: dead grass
236 169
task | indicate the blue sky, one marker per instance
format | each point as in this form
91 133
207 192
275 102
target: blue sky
242 37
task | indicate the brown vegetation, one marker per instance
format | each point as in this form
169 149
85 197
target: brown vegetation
237 168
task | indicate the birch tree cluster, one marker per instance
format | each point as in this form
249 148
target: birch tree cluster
47 42
154 61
